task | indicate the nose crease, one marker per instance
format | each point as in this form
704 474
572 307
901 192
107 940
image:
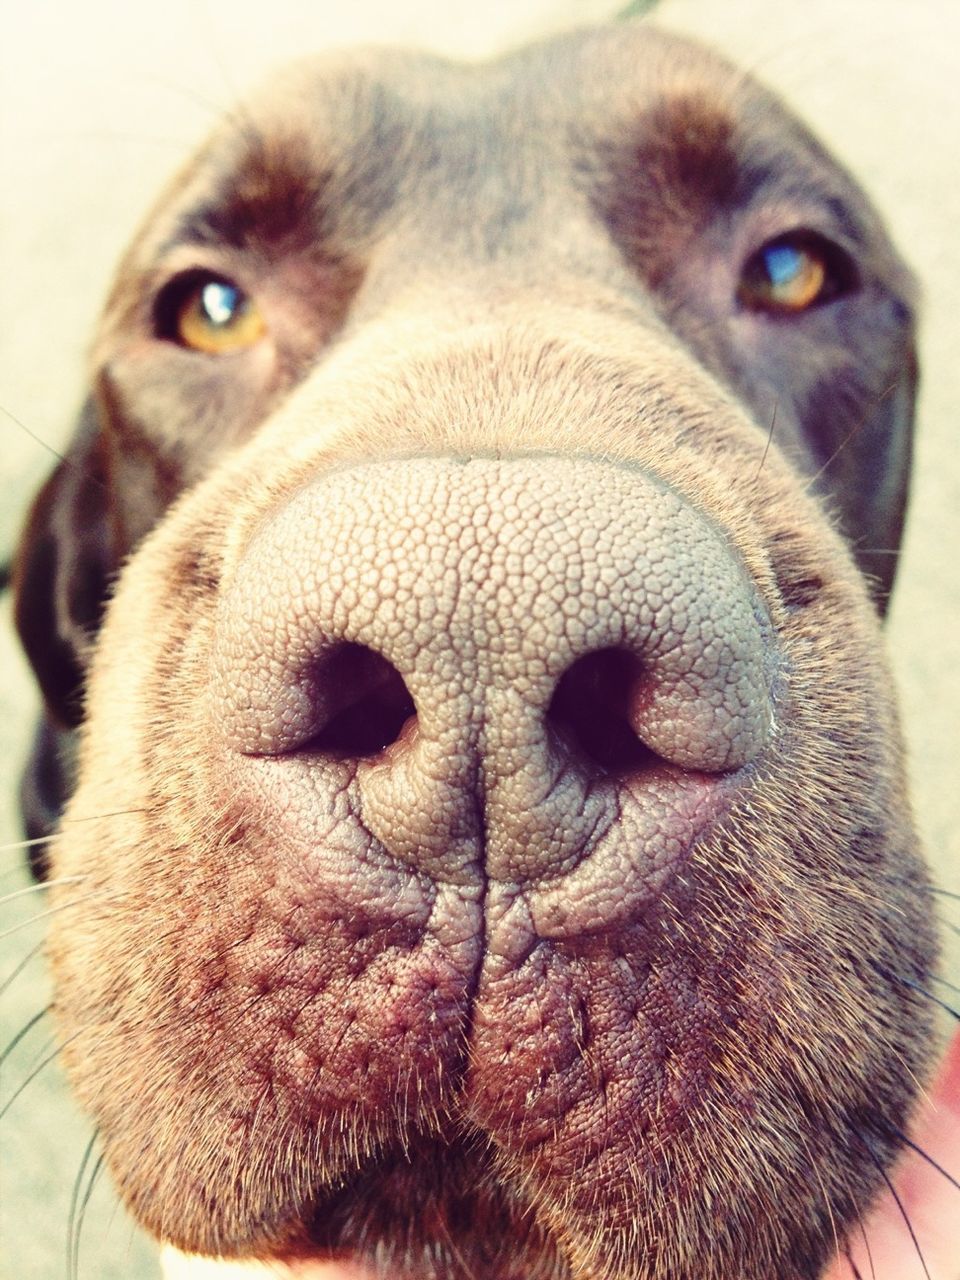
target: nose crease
486 585
425 779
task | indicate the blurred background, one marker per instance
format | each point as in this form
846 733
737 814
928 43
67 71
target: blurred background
99 102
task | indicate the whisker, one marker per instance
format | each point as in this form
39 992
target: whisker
44 1062
94 1176
866 1245
899 1203
22 1033
920 990
39 888
45 915
73 1236
32 434
942 982
924 1155
947 1008
852 1265
23 844
766 447
97 817
15 973
851 435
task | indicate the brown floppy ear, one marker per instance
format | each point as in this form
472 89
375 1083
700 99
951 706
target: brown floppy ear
61 579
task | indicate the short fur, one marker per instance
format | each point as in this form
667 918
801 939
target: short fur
538 256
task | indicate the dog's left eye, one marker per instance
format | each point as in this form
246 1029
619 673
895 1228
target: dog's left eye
794 273
209 314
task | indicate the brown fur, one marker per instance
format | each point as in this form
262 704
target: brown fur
537 257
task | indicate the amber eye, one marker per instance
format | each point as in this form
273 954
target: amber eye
208 313
794 273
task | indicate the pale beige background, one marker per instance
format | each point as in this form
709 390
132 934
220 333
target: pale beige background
100 100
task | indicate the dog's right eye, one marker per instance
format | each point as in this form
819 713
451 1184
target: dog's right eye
795 273
208 313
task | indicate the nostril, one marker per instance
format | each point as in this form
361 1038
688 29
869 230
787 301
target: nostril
659 654
590 707
365 703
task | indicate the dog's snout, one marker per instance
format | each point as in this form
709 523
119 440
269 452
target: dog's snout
533 664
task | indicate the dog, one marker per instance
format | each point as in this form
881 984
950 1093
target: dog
458 618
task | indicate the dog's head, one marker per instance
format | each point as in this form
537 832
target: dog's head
489 803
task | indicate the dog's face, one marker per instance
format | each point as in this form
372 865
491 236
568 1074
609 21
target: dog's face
489 804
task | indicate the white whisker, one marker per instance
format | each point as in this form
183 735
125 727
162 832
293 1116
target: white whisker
38 888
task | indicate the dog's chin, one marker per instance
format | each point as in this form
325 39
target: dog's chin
917 1183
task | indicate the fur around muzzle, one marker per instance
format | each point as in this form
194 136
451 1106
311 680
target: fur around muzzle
489 803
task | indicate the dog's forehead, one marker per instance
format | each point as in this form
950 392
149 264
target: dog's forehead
596 158
337 142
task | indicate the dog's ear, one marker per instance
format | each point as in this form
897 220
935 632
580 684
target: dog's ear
61 579
874 501
62 571
47 781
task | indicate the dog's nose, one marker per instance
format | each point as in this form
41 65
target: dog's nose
523 662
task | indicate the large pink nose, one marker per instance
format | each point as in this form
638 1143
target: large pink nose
526 668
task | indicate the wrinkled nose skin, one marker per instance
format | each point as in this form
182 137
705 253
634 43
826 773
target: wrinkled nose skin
528 673
483 703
